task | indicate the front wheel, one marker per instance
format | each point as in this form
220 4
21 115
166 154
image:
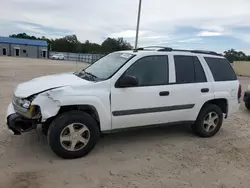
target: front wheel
73 134
209 121
247 105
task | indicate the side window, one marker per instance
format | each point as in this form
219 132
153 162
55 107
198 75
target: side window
150 71
188 69
199 72
184 69
221 69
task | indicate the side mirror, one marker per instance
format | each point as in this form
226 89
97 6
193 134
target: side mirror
127 81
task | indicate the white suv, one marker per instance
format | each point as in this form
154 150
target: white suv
127 89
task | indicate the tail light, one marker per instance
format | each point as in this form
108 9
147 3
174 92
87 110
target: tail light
239 92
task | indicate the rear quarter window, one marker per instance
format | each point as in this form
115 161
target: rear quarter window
221 69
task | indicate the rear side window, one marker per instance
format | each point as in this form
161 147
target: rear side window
221 69
188 70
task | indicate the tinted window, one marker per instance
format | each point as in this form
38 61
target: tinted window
188 70
199 72
221 69
150 71
184 69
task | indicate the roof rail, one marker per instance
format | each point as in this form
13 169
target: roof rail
161 48
168 49
206 52
192 51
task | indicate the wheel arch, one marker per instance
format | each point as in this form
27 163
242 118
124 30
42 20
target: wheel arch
220 102
89 109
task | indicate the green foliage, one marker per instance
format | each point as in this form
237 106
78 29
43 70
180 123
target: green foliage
232 55
23 36
70 43
119 44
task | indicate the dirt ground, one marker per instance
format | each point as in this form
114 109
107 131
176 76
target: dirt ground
165 157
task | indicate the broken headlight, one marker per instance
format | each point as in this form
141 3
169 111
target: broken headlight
25 103
21 102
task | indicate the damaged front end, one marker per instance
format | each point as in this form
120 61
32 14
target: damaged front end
18 124
21 119
24 115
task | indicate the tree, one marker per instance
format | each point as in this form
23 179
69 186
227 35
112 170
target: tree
111 44
71 39
232 55
70 43
23 36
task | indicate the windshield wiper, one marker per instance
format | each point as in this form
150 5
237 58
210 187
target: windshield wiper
88 73
90 76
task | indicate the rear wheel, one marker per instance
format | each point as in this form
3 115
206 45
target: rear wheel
209 121
73 134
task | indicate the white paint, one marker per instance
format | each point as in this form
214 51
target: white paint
10 110
58 56
40 84
72 90
49 107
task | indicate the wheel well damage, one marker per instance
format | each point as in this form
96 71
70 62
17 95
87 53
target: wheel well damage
48 105
51 105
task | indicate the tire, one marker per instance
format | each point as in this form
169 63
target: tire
201 128
64 123
247 105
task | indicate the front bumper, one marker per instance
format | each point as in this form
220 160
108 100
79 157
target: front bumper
17 123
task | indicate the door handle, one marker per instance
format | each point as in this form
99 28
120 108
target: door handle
204 90
164 93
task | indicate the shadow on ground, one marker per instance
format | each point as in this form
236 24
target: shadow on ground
35 143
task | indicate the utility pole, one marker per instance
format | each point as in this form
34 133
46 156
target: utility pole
138 24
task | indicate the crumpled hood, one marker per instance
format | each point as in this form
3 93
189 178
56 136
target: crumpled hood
44 83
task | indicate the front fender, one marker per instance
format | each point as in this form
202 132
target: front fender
101 105
49 106
50 103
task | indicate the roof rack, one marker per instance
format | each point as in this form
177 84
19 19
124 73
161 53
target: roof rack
168 49
199 52
156 48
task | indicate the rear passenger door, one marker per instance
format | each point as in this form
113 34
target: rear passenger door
191 87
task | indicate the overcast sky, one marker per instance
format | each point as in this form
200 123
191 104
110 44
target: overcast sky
195 24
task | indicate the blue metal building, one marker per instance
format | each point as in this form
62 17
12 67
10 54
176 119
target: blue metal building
23 47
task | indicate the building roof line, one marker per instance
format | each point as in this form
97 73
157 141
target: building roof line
30 42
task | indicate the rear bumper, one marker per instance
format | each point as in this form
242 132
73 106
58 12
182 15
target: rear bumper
233 107
17 123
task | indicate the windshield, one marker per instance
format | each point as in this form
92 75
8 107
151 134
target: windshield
105 67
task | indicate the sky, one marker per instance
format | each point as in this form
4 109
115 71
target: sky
216 25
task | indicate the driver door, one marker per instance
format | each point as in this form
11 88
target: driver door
146 103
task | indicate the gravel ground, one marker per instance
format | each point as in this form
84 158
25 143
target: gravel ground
155 158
